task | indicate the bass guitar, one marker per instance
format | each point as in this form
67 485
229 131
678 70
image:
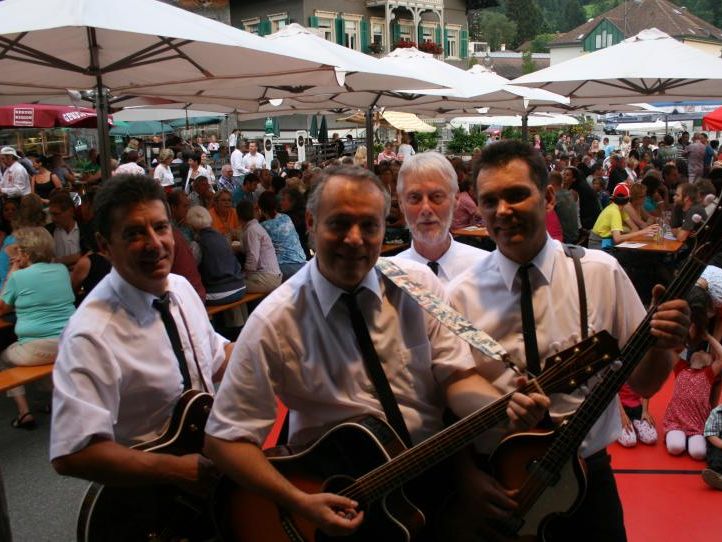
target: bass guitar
365 460
545 468
155 513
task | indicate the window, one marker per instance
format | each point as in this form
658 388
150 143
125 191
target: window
251 25
406 31
351 39
326 25
598 41
377 33
278 21
427 33
452 42
610 40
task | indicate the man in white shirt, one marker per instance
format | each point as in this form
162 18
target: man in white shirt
70 241
513 197
117 377
15 180
427 186
299 345
260 265
253 160
237 163
130 165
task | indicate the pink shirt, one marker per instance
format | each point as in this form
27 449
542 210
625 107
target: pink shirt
465 212
554 227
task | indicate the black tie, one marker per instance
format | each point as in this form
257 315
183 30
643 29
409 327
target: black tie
162 305
531 349
434 266
375 372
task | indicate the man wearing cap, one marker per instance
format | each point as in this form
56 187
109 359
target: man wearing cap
427 187
608 230
15 181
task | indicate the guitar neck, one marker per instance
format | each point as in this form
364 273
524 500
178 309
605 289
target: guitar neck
572 432
417 460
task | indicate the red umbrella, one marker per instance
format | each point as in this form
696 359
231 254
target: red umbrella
47 116
713 121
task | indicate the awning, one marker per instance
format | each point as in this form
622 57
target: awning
407 122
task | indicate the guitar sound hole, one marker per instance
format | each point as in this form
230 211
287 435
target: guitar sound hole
337 484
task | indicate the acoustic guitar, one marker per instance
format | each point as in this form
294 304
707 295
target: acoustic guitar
364 459
154 513
545 467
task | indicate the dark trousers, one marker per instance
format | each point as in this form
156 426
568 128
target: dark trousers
4 519
600 517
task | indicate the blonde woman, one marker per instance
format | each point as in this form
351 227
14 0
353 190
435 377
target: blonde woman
360 157
626 146
163 174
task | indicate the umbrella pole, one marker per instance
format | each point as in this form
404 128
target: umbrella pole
369 114
525 127
101 111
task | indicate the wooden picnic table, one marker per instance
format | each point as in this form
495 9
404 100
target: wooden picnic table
470 231
666 246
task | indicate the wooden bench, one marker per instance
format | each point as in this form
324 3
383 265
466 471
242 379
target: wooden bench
17 376
215 309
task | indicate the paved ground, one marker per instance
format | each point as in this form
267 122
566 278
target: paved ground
43 506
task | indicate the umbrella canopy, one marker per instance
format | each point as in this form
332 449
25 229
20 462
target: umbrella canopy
314 127
658 126
139 47
649 67
713 120
47 116
516 120
143 113
140 127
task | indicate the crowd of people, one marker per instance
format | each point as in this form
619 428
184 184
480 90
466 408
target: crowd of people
145 249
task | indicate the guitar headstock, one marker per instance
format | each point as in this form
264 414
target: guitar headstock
708 238
567 370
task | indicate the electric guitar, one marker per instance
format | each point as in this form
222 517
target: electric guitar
364 459
154 513
545 468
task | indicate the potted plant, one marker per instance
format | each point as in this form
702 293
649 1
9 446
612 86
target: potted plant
431 47
375 48
404 44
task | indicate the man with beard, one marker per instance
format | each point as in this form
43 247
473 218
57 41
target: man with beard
427 187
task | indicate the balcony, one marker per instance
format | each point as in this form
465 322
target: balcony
436 4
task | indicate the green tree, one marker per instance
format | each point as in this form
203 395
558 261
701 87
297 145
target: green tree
427 141
572 15
527 64
494 28
540 44
528 18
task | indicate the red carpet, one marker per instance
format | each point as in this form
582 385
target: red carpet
663 505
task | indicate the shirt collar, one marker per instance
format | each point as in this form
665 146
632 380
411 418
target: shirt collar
328 294
445 259
137 302
543 261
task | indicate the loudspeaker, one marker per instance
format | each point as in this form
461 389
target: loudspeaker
268 149
301 140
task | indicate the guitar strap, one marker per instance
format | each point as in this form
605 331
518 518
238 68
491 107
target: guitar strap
443 312
575 253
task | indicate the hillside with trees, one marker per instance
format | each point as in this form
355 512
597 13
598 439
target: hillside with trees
514 22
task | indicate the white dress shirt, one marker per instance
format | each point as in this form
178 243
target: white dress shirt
163 175
457 259
15 181
116 375
489 294
66 243
237 163
129 168
299 345
260 254
253 161
204 171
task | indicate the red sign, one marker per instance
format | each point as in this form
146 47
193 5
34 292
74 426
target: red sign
23 116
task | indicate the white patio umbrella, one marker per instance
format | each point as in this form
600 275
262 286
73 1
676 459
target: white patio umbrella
658 126
648 67
140 47
515 120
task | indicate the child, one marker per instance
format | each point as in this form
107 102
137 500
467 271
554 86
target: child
689 406
712 475
637 422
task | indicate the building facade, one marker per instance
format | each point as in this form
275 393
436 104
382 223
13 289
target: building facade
628 19
369 26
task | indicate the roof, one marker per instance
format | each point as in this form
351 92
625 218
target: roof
674 20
